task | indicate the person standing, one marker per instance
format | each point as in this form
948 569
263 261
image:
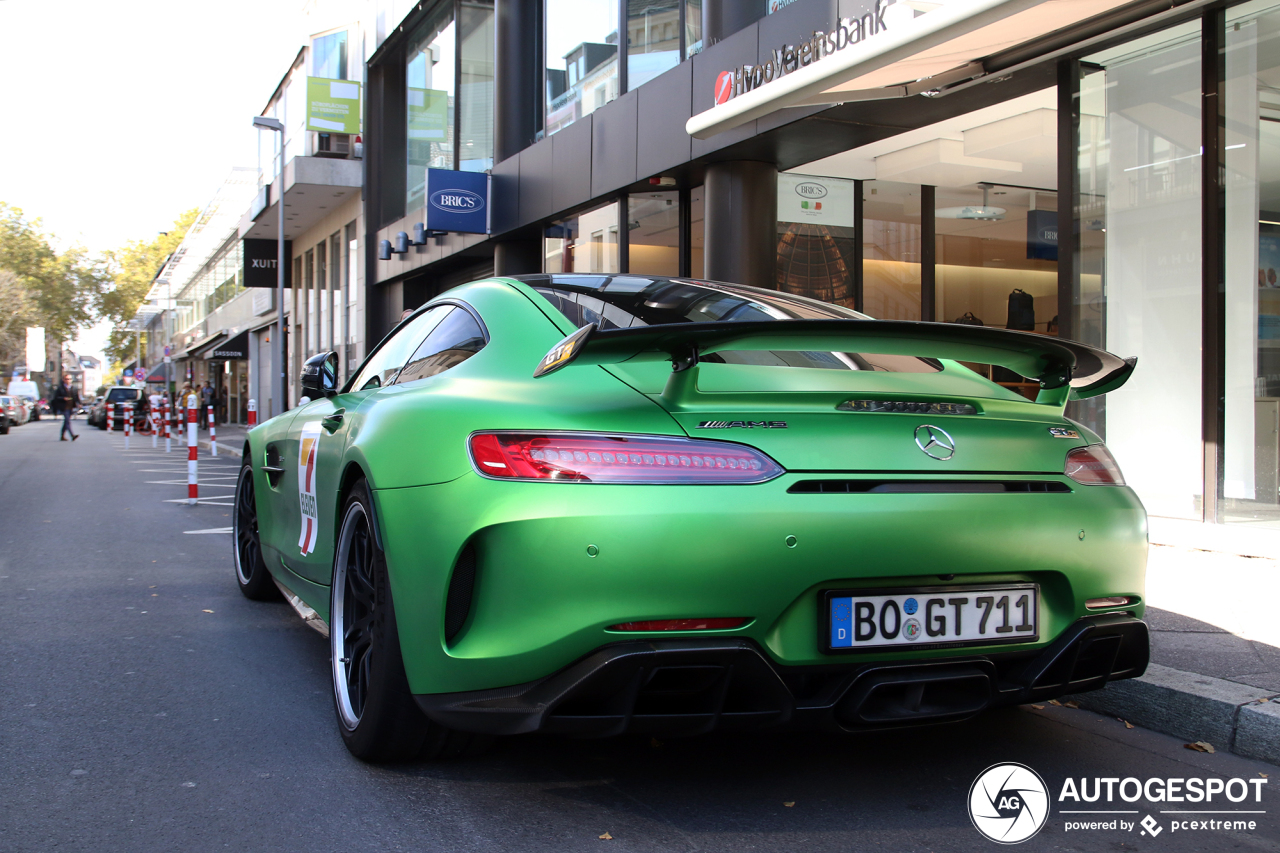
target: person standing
65 401
206 400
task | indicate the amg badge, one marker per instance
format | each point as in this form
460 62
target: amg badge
742 424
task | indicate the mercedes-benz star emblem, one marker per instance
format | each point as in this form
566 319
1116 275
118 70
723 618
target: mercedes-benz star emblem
935 442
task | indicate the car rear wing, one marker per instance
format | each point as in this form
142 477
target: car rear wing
1061 367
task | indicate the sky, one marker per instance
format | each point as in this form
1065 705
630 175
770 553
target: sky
121 115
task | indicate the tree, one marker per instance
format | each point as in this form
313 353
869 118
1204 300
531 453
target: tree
132 268
55 290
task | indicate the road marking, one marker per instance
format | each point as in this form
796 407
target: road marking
210 530
199 500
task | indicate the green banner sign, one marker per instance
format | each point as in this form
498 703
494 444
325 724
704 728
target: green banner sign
333 106
428 114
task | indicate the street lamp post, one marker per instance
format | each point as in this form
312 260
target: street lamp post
265 123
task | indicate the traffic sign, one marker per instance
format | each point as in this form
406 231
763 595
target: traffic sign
166 351
140 374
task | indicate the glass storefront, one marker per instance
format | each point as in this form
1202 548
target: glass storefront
429 95
653 233
587 242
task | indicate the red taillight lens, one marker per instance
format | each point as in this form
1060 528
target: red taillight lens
681 625
1093 466
595 458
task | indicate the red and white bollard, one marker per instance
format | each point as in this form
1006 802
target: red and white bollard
213 434
165 417
253 413
128 423
153 419
109 412
193 440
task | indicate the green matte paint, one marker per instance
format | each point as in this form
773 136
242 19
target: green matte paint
559 562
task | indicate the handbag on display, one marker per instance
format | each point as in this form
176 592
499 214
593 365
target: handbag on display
968 320
1022 311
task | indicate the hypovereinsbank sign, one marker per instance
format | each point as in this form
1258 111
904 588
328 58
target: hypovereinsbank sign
788 58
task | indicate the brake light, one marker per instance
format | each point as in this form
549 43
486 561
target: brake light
597 458
681 625
1093 466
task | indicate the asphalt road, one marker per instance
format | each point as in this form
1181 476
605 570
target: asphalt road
145 705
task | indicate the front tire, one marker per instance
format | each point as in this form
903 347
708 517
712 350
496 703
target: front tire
251 569
378 718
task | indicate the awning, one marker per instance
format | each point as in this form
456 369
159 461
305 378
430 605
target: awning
197 349
158 373
941 47
236 347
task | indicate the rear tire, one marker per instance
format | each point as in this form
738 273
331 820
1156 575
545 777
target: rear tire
251 569
377 716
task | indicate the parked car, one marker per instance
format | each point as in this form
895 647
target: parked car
4 418
114 399
15 408
632 503
33 407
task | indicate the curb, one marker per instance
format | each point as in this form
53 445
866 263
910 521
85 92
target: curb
223 448
1232 716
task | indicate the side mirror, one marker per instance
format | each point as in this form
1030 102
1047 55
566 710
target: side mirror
320 376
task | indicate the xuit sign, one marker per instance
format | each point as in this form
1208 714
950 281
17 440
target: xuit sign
457 201
788 58
260 262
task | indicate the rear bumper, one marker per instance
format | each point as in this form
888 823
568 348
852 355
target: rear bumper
685 687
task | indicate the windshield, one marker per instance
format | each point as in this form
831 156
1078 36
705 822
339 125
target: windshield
122 395
626 301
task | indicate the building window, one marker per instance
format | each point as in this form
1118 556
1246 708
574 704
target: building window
329 56
429 94
475 86
653 39
587 242
581 52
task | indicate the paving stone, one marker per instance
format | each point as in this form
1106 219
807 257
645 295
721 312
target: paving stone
1258 732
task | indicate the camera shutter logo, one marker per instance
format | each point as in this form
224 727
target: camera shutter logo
1008 803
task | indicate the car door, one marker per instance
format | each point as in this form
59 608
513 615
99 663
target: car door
315 450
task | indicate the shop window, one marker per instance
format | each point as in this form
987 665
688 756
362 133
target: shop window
653 233
581 52
1251 399
816 234
587 242
653 39
1140 288
891 254
697 233
429 95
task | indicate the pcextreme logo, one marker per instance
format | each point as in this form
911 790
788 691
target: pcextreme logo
1010 803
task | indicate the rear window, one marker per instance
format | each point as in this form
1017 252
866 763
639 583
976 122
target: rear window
625 301
121 395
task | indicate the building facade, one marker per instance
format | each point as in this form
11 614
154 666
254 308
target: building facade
1100 170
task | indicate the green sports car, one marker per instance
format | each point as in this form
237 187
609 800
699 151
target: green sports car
603 504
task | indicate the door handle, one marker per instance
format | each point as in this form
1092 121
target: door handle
332 422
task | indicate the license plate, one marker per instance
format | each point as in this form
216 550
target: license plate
951 616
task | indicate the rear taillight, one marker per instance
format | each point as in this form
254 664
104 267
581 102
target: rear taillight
596 458
718 624
1093 466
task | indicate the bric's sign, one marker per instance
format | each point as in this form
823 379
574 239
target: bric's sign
457 201
788 58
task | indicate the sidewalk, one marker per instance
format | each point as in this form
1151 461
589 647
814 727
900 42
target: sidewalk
230 439
1215 653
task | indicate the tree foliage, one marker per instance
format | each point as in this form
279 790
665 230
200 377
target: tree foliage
56 290
131 269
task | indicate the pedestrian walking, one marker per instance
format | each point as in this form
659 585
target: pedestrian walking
206 400
65 401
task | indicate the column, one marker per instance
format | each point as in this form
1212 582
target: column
741 229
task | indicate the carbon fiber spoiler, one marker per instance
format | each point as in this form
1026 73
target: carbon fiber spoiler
1058 365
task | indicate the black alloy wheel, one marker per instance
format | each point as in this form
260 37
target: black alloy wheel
251 569
377 715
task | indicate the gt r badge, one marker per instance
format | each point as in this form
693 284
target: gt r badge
307 445
1063 432
935 442
742 424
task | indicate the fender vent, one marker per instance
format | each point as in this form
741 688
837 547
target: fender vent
462 586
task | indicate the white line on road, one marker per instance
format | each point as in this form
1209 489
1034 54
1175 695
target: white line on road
199 500
210 530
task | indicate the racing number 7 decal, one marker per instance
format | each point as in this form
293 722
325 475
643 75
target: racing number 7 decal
307 446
